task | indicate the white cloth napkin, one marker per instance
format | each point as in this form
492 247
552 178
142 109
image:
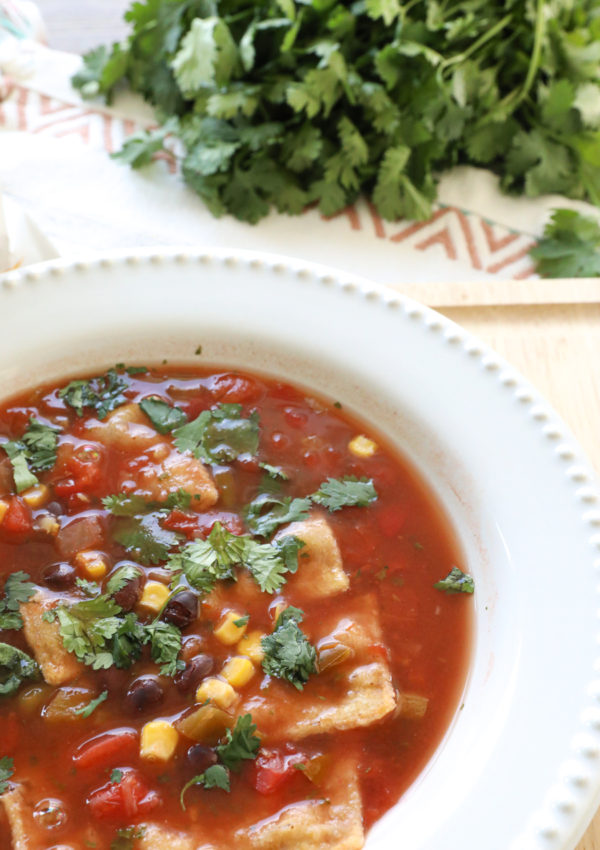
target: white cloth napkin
55 171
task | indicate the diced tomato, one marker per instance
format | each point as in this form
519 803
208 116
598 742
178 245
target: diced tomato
273 769
230 521
182 522
9 733
295 418
80 470
234 388
129 798
104 750
17 519
391 519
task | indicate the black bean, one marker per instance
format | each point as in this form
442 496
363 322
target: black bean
144 693
55 508
195 670
59 576
182 609
200 757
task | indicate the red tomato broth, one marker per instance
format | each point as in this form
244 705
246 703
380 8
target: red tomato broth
396 549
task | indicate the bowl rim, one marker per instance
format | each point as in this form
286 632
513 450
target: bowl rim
571 799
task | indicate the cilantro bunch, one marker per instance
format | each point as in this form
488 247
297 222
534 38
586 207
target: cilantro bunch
289 102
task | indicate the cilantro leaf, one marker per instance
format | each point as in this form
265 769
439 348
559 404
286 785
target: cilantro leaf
165 644
102 394
163 416
145 538
275 472
127 641
121 577
17 589
336 493
90 588
86 710
288 653
241 744
219 435
7 768
215 776
456 582
35 451
267 512
15 667
86 628
204 562
268 562
125 837
123 504
570 246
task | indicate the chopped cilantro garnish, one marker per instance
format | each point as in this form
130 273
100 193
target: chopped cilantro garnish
17 589
165 644
203 562
90 588
116 775
336 493
86 710
456 582
125 837
288 653
163 416
145 538
123 504
102 394
275 472
570 246
241 744
7 768
268 562
121 577
241 621
15 667
34 452
215 776
219 435
267 512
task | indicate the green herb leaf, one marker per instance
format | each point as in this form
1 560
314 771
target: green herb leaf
102 394
7 768
456 582
86 710
288 653
145 538
267 512
121 577
242 621
215 776
116 775
15 667
165 645
204 562
269 562
570 246
35 451
86 628
90 588
126 837
219 435
336 493
17 589
275 472
163 416
241 744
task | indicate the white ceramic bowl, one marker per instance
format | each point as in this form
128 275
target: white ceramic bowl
519 767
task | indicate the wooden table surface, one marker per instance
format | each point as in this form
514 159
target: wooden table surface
548 330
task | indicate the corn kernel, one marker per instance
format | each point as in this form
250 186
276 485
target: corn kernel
47 523
3 509
238 671
36 496
92 564
250 646
361 446
158 740
227 631
217 691
154 596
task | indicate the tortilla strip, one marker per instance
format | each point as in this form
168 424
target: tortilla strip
333 822
320 570
156 837
58 666
20 818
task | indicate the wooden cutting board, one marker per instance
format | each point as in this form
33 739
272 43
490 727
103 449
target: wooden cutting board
550 331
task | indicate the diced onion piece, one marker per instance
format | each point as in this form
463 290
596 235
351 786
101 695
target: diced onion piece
205 724
413 706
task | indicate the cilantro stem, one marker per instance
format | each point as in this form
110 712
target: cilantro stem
473 48
536 53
